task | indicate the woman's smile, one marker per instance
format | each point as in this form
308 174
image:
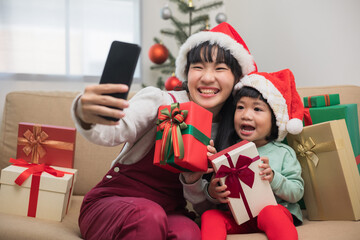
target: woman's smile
208 91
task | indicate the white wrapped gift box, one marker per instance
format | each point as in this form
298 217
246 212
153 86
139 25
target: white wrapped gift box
253 198
54 193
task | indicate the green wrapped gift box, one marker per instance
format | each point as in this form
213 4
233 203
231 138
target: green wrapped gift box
322 100
337 112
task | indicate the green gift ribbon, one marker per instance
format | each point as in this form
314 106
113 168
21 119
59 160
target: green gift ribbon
196 133
171 123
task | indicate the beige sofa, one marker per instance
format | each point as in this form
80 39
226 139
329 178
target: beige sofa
93 161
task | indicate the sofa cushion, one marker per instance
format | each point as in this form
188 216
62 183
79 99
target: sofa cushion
13 227
53 108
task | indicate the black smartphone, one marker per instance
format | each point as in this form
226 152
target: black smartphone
120 67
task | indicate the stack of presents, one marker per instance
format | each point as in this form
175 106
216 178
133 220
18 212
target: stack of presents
329 152
40 180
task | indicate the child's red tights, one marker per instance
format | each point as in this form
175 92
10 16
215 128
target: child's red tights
275 221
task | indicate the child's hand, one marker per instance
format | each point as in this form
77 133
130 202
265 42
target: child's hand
218 192
267 173
211 149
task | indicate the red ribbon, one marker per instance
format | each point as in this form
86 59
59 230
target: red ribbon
234 173
358 160
35 170
171 123
326 98
307 117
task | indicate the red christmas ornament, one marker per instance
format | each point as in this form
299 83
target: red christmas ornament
173 83
158 53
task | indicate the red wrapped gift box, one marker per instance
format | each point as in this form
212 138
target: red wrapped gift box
52 145
183 133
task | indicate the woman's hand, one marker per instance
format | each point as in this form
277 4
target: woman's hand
218 192
94 103
266 173
214 189
211 149
192 177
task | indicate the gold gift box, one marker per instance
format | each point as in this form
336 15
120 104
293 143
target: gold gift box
332 181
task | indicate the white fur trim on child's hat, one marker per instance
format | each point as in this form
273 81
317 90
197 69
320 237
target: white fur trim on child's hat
279 90
226 37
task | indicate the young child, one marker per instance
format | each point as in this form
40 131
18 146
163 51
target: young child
267 108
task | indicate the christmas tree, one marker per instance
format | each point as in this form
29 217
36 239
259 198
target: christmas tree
198 20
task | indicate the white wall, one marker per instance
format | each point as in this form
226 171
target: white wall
318 40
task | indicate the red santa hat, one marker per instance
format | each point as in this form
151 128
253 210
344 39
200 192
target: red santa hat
225 36
279 90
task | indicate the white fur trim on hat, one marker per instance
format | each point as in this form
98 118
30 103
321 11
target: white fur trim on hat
243 57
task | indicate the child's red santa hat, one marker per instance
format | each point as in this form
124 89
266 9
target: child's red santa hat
279 90
226 37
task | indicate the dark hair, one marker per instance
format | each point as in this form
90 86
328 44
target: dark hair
226 133
203 52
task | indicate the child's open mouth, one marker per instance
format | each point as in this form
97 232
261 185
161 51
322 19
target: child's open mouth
246 129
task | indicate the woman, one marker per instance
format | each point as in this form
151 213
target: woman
135 199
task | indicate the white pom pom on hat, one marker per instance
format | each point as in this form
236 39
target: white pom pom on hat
279 90
225 36
294 126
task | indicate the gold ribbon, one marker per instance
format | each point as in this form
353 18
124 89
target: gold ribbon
35 141
307 148
304 149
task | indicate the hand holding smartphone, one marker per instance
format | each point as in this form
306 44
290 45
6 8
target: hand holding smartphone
120 67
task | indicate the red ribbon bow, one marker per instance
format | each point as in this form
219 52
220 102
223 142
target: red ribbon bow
240 171
33 169
171 123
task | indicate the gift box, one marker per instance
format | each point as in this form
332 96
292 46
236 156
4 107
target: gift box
332 183
36 190
321 100
183 133
345 111
52 145
249 193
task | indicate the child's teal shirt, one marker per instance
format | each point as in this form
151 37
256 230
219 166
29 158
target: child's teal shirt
287 184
